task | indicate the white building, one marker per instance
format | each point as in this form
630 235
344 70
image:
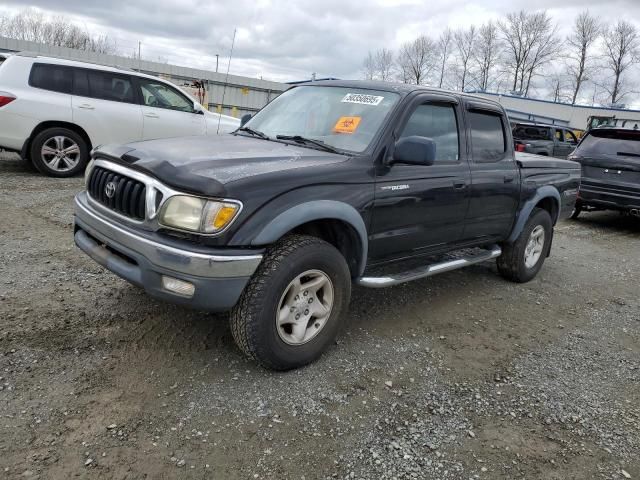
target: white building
544 111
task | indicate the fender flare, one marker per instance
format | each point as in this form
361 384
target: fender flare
316 210
546 191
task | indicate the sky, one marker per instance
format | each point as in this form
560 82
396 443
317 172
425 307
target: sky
288 40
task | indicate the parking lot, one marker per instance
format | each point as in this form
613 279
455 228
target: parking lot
459 376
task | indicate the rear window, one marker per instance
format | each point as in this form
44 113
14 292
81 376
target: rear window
528 132
55 78
610 143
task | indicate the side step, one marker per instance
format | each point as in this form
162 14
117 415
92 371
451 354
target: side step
429 270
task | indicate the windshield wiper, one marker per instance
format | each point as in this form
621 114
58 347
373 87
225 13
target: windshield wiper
628 154
253 132
308 141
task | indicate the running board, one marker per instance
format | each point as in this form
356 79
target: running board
429 270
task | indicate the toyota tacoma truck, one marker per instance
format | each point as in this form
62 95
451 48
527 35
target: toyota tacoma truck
331 184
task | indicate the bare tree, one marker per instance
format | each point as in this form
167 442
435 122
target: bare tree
465 44
416 60
621 51
34 26
379 65
586 31
369 67
444 50
486 53
545 47
531 42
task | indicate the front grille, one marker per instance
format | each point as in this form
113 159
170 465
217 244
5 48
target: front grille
129 195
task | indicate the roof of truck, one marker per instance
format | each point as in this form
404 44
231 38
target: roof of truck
400 88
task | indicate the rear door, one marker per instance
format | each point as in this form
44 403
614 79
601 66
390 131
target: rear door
495 177
105 105
421 208
167 112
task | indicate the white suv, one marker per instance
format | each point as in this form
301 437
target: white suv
54 111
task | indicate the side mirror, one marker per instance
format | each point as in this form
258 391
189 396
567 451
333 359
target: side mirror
415 150
197 109
244 119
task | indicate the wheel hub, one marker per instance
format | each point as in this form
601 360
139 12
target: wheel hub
535 245
305 307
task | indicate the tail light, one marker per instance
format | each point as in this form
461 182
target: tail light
6 98
519 147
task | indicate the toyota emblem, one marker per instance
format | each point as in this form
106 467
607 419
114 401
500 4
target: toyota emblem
110 189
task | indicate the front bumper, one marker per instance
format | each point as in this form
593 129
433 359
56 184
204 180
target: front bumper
143 258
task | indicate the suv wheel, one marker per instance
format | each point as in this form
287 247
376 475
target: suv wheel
290 311
522 260
59 152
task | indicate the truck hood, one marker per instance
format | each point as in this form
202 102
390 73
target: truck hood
205 165
530 160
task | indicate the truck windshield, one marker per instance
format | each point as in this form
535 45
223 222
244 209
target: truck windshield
343 118
610 143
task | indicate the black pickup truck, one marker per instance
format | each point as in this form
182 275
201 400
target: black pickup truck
332 183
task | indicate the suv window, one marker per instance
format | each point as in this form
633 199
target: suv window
161 95
610 142
437 122
103 85
487 137
56 78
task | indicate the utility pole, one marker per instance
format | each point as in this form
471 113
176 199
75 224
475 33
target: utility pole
217 62
139 49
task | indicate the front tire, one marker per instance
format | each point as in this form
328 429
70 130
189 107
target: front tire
290 311
522 260
59 152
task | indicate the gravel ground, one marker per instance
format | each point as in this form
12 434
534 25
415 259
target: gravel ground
460 376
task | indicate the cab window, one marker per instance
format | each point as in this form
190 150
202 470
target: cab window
437 122
570 137
488 139
160 95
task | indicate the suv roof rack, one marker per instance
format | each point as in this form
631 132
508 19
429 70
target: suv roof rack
39 55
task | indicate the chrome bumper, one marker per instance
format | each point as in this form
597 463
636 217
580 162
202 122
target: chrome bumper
146 259
191 262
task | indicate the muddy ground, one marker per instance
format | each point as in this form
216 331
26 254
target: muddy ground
460 376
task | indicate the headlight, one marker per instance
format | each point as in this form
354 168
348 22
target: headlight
197 214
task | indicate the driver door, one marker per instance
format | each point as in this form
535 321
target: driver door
166 112
420 209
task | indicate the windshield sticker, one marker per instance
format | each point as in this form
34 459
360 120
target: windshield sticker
346 124
362 99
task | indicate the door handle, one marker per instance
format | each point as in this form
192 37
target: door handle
509 178
152 115
86 106
459 185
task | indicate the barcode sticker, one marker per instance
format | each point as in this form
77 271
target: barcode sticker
362 99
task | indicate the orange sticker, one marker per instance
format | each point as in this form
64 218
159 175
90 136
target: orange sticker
347 124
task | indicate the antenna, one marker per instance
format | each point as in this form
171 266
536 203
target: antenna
226 80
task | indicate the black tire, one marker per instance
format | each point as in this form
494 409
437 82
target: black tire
253 319
48 136
511 264
577 210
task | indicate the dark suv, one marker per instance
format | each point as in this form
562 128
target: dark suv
610 159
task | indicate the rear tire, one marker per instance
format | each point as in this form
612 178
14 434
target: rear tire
522 260
59 152
282 320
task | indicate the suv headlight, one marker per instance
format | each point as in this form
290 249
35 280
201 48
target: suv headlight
198 214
